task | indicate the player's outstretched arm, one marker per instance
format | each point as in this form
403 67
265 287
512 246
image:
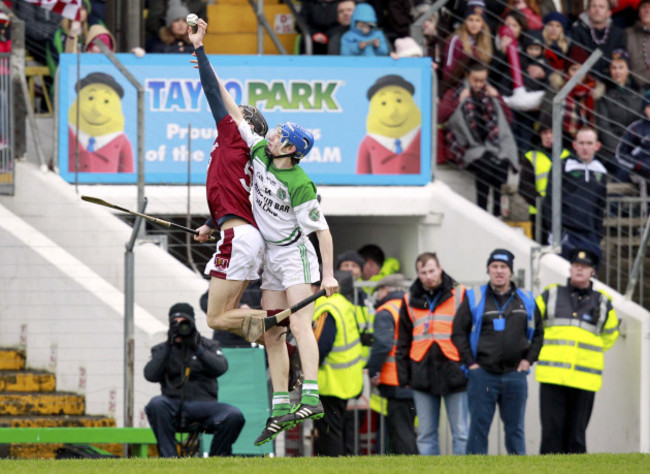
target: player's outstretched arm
328 282
209 79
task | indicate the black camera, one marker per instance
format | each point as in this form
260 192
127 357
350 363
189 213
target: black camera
184 328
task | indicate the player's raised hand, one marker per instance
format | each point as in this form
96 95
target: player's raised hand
197 37
330 285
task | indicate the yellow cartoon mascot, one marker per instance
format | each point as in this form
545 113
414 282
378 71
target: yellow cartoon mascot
392 143
102 144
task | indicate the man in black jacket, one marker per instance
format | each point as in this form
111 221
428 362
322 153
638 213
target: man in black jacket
498 332
187 366
427 360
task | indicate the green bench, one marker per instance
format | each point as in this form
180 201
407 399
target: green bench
139 438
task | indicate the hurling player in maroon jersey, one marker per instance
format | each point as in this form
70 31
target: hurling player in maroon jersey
240 250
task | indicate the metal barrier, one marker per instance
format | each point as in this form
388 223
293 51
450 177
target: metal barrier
7 168
625 240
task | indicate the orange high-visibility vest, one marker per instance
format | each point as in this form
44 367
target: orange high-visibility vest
388 374
435 327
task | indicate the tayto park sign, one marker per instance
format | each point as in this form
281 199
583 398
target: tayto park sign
371 117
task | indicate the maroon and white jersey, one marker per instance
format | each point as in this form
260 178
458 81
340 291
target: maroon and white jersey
229 174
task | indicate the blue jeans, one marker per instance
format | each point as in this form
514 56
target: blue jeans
427 407
485 390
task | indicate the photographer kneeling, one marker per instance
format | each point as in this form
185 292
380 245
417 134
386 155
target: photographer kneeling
187 366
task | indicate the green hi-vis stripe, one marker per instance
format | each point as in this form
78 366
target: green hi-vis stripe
306 270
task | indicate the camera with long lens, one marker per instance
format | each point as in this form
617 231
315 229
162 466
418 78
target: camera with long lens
184 328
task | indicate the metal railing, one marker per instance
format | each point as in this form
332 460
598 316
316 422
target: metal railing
7 168
626 240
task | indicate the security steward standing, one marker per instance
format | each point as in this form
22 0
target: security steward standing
382 368
187 366
427 360
579 325
340 370
498 331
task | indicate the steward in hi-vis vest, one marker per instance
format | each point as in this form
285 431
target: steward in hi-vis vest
340 371
580 324
427 360
398 401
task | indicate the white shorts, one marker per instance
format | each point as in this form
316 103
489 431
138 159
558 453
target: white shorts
289 266
239 254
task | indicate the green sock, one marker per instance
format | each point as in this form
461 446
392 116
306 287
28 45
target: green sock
309 392
281 404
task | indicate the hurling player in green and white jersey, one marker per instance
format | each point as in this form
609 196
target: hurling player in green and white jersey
286 210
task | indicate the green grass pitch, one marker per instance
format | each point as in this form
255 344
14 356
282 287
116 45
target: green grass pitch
590 463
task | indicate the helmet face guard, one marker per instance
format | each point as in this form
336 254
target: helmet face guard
254 117
291 133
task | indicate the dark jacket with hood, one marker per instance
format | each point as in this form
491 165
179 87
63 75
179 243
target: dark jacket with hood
435 373
167 367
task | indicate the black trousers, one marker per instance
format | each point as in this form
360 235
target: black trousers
565 413
489 173
223 420
401 426
329 439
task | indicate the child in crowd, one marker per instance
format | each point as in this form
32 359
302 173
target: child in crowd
533 62
364 38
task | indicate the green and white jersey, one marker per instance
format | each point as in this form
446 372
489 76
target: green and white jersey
284 200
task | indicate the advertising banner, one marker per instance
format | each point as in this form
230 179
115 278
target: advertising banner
371 117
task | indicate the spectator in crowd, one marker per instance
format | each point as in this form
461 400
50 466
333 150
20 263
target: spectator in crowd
479 134
187 366
344 11
584 192
99 32
534 65
619 107
40 26
375 263
579 326
427 360
321 16
498 332
364 38
512 30
434 44
595 30
70 37
579 107
5 31
340 369
638 44
471 40
406 48
556 41
531 11
535 167
157 16
382 368
173 37
633 152
401 14
624 12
